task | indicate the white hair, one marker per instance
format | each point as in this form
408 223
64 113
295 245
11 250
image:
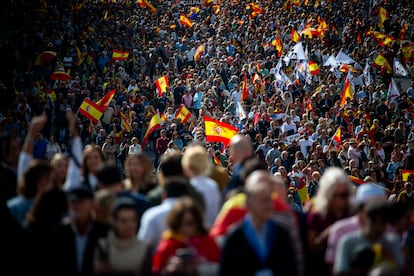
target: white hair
330 180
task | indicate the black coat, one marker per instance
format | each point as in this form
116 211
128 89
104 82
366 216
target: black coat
66 240
239 258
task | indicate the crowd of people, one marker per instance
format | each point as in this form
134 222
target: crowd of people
313 183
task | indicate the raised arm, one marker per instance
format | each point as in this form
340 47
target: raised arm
26 155
73 177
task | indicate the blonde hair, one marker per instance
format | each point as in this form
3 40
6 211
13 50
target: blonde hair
195 159
330 180
57 158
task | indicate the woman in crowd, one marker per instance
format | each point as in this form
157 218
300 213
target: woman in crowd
109 148
331 204
59 163
121 253
186 241
139 173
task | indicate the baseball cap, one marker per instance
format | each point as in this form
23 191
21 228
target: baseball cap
369 191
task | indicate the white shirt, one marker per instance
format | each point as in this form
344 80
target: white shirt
303 144
134 149
153 223
211 195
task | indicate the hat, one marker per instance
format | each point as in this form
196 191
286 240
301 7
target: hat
79 193
173 125
369 191
352 141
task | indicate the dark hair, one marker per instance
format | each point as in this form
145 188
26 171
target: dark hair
37 170
250 166
108 175
176 215
171 164
123 203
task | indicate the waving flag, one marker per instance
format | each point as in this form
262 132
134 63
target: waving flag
199 52
184 20
278 46
119 55
407 52
314 68
244 88
383 14
367 74
126 122
347 93
217 131
91 110
337 138
154 125
406 173
295 37
400 69
106 99
343 58
356 180
240 111
183 113
161 85
393 92
216 160
381 61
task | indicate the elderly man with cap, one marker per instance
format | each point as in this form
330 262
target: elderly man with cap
406 196
365 193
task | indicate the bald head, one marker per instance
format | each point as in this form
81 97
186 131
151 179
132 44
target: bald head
240 148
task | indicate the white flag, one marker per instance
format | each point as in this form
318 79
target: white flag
240 111
367 73
393 93
399 69
343 58
296 52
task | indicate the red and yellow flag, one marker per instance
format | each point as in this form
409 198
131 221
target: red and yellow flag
183 113
184 20
348 92
295 37
119 55
208 2
161 85
308 107
91 110
407 52
148 5
106 99
278 46
381 61
154 124
314 68
216 9
403 31
337 138
244 88
164 116
216 160
406 173
125 121
217 131
199 52
383 14
356 180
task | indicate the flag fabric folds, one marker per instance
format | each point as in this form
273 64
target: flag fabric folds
217 131
314 68
119 55
278 46
347 93
154 124
295 37
216 160
406 173
183 113
382 14
91 110
184 20
147 4
244 88
126 122
393 92
337 138
106 99
400 69
381 61
199 52
161 85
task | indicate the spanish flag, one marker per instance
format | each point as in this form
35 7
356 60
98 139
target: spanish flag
314 68
407 52
308 107
183 113
218 131
199 52
161 85
406 173
119 55
356 180
348 92
149 5
184 20
244 88
382 14
106 99
208 2
141 3
278 46
126 122
381 61
295 36
216 9
403 31
337 138
154 124
91 110
164 117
